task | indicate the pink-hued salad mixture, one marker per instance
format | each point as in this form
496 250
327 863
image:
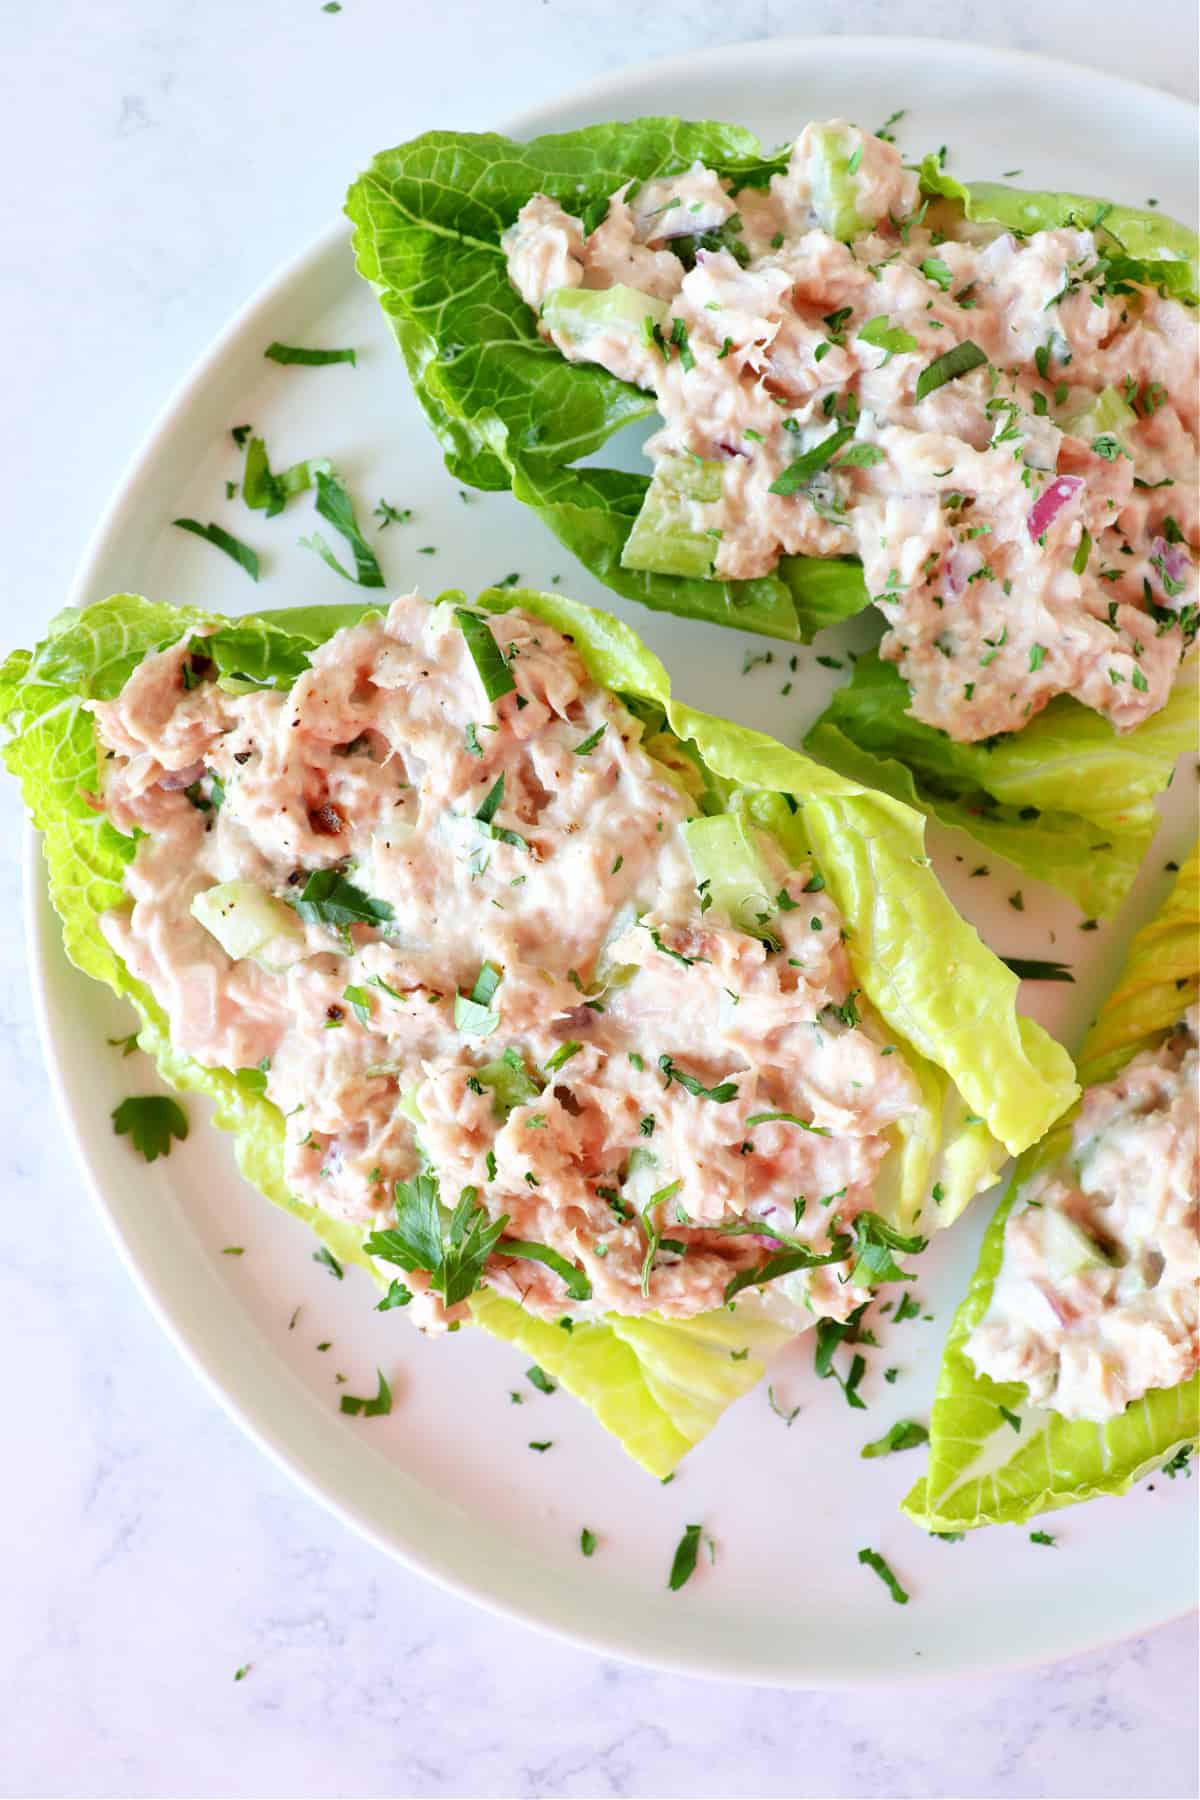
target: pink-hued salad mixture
1096 1300
471 939
1002 428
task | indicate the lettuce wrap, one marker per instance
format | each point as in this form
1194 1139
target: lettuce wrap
979 1472
511 412
992 1081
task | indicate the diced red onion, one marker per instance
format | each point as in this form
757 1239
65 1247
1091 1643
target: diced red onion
767 1243
958 566
1046 508
175 779
733 449
1172 559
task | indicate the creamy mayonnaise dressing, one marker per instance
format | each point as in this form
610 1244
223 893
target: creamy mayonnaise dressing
1096 1299
574 885
1025 528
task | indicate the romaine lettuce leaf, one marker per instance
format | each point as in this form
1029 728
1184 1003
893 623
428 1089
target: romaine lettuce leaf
993 1081
1067 799
1145 246
1058 1462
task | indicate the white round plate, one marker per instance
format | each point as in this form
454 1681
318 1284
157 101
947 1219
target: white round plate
447 1482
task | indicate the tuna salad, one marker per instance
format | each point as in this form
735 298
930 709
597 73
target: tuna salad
1096 1299
451 898
1001 426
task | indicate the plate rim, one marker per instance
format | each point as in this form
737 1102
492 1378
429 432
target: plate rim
40 921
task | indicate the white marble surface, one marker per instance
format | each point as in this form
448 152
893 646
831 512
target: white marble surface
162 159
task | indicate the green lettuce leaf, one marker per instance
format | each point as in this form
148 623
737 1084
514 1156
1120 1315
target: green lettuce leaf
1067 799
505 405
1144 245
1054 1462
992 1080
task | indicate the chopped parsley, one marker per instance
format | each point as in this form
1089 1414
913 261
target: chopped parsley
334 504
873 1560
539 1379
683 1566
292 353
960 359
377 1407
150 1121
490 664
454 1258
587 1541
329 1261
905 1434
224 540
329 899
721 1093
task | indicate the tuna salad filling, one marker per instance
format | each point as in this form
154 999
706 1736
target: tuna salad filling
1002 427
458 909
1096 1300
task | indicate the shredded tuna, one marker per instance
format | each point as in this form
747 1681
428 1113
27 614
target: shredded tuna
792 334
644 1026
1094 1317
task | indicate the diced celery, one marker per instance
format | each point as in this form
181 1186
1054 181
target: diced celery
1108 414
510 1082
244 919
1069 1250
725 855
672 534
580 314
833 185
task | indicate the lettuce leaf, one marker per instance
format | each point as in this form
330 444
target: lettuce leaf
1144 246
1057 1462
1067 799
505 405
992 1081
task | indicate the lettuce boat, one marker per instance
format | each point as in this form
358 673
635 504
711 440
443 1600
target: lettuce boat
511 412
979 1472
991 1081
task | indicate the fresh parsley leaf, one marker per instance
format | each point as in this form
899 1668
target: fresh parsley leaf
334 504
329 1261
1010 1418
780 1411
221 539
1029 969
874 1241
329 899
542 1446
263 490
683 1566
377 1407
150 1121
453 1257
292 353
577 1283
397 1295
721 1093
960 359
126 1045
387 514
587 1541
474 1016
890 338
873 1560
810 462
536 1375
359 1002
589 743
786 1262
905 1434
563 1054
786 1118
909 1308
1040 1537
494 673
935 270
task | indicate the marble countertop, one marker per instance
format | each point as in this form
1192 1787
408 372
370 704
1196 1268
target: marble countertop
163 159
